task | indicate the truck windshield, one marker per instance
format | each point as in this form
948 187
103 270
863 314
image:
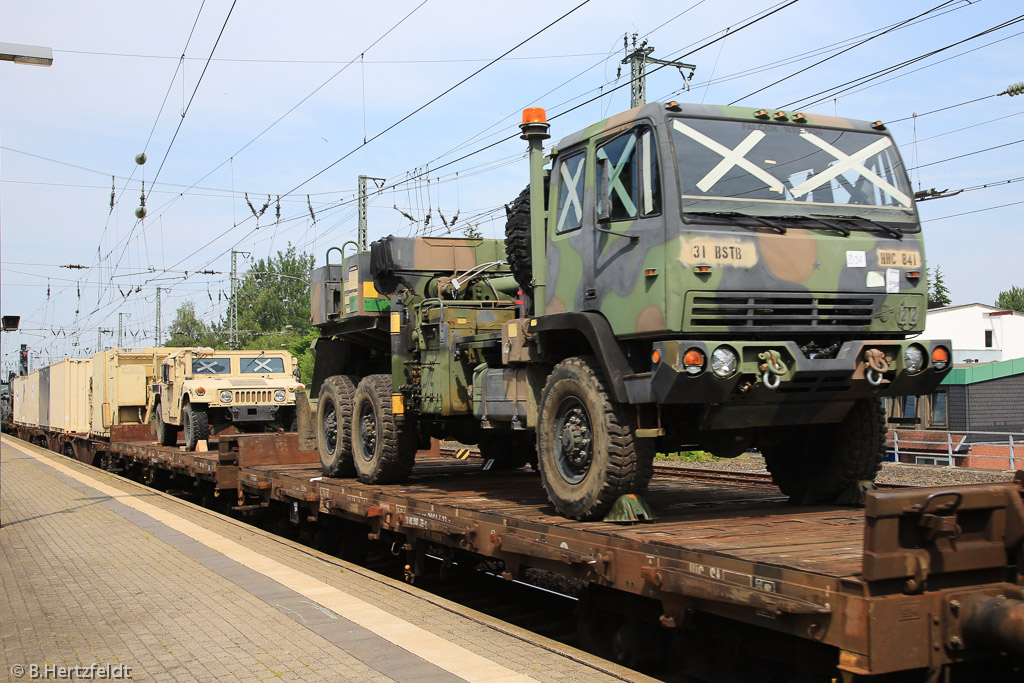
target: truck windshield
262 365
211 366
774 170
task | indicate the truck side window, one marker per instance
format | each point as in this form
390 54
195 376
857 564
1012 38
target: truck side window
570 192
629 176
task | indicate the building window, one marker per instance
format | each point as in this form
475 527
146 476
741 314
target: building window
988 339
938 413
908 406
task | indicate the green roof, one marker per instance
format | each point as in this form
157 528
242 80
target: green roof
985 372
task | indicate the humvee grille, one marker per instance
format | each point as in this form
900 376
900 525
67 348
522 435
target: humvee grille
253 396
796 311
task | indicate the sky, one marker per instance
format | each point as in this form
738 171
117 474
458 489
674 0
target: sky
239 103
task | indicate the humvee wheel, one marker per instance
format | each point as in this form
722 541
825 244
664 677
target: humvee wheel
334 426
816 464
587 448
510 451
196 424
383 451
166 434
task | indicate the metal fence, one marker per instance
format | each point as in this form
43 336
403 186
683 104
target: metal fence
957 449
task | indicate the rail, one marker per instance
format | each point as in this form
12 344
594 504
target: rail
957 448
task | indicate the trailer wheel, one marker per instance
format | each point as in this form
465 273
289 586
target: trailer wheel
334 426
383 450
517 240
587 447
510 451
166 434
196 424
817 464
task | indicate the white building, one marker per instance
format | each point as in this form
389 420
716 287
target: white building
980 333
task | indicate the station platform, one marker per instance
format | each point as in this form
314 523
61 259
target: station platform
98 571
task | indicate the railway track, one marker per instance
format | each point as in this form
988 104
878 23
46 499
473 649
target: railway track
679 472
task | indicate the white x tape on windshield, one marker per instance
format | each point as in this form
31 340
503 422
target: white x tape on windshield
847 163
258 365
208 366
730 158
572 197
615 177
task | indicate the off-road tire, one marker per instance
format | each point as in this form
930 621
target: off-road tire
816 464
383 450
196 424
616 461
517 240
166 434
509 450
334 426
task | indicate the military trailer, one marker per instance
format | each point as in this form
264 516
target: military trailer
203 391
679 276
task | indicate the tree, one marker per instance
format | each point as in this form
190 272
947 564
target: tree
188 330
273 298
938 293
1012 298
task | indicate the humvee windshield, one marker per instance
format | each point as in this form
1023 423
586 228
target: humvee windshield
211 366
262 365
769 170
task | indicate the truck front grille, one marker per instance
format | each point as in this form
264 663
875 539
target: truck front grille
254 396
794 311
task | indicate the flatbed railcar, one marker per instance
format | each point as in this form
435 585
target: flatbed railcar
920 584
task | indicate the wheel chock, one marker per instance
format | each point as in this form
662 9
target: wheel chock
630 509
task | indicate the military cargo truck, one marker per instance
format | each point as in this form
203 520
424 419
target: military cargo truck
202 390
678 276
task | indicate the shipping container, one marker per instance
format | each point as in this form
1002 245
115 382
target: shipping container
20 391
120 386
69 395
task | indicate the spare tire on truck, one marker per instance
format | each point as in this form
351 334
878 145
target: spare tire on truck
517 240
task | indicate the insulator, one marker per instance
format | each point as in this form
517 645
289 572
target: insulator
1015 89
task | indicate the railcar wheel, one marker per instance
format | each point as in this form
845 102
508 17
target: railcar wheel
196 425
166 434
587 447
383 450
334 426
818 464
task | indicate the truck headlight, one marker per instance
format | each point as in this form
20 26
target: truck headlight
723 361
279 395
225 397
913 358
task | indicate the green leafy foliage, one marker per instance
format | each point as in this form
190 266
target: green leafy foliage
273 311
188 330
938 293
1012 298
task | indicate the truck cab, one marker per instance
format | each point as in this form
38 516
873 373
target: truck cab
204 391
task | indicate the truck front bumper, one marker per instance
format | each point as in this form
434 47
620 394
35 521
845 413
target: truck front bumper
773 372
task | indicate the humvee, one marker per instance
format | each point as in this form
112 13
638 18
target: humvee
202 390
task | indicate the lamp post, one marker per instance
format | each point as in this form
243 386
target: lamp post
26 54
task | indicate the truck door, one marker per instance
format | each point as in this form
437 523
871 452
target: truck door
624 269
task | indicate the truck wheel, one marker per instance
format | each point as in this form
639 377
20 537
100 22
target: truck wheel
196 424
517 240
510 451
334 426
587 448
166 434
383 451
816 464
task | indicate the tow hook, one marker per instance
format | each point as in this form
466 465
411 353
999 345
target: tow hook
772 369
877 365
